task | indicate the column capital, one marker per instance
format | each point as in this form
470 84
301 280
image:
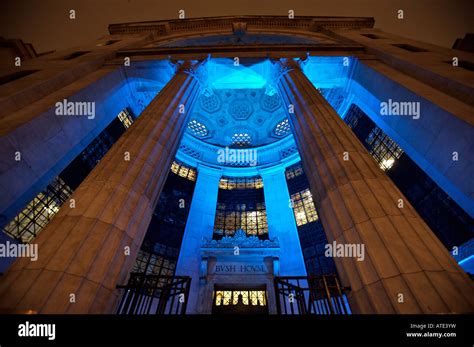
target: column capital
286 65
289 63
189 67
194 69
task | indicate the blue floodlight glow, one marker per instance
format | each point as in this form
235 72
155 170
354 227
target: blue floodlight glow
228 74
328 72
467 264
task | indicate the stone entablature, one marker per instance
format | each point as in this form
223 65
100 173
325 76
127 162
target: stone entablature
239 255
319 29
226 24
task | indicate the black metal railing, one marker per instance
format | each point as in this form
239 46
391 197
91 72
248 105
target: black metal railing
154 294
310 295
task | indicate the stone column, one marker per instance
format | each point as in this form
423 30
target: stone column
87 250
200 224
406 269
281 221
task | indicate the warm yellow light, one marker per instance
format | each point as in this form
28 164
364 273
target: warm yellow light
387 163
300 215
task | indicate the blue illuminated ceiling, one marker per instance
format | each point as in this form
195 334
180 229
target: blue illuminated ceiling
328 72
145 80
229 114
239 104
238 74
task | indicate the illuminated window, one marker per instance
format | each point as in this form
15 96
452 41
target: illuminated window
182 170
310 229
241 183
384 150
240 205
37 214
282 128
126 118
248 217
241 139
161 262
198 129
303 207
240 297
293 171
160 247
39 211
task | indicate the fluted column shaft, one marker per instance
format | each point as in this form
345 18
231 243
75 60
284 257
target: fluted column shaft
87 250
406 269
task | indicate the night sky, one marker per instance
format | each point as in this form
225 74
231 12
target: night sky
46 23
